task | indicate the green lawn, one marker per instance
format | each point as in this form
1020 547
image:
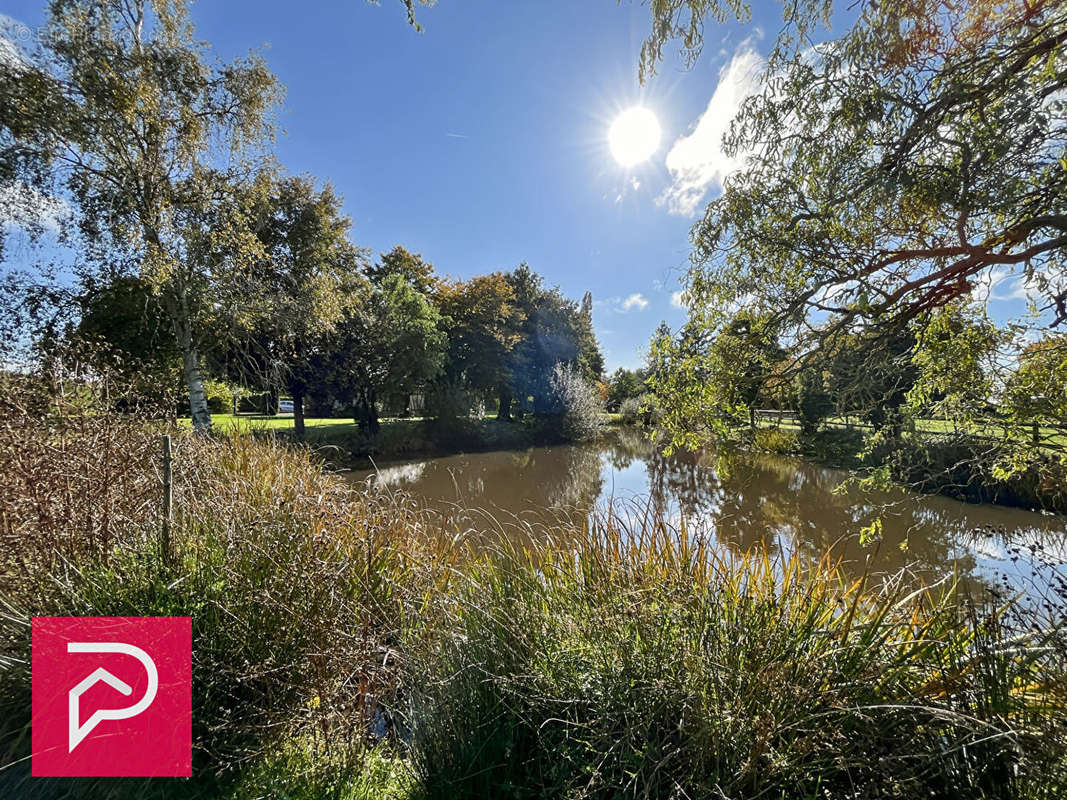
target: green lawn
1050 437
282 422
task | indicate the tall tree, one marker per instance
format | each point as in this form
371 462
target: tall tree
312 278
390 344
555 330
123 117
483 323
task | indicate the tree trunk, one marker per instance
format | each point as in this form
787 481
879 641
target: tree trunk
194 381
504 412
751 418
298 415
367 409
372 414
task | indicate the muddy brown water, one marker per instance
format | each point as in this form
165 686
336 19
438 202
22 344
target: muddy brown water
743 500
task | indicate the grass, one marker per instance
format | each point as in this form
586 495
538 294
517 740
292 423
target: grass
350 645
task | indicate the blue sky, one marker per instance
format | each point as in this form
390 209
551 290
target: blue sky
482 142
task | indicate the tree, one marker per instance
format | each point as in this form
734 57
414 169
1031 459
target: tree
391 344
312 279
484 324
409 266
554 330
956 357
1036 392
120 117
869 372
123 316
890 170
888 173
623 385
123 117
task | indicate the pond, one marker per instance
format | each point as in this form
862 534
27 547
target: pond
741 500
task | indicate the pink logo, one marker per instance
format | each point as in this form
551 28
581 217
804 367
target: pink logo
112 696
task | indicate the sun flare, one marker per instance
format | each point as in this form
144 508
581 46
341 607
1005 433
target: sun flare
634 136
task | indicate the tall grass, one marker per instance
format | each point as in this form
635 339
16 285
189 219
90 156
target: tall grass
348 644
639 663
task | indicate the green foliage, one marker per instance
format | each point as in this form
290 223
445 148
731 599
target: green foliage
219 397
956 357
128 331
311 279
484 324
624 384
391 345
554 330
814 403
776 440
1036 393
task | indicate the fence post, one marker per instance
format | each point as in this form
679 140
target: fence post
167 499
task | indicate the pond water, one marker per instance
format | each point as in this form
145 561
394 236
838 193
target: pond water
741 500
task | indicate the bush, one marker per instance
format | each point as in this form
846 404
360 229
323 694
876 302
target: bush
220 397
776 440
630 411
576 409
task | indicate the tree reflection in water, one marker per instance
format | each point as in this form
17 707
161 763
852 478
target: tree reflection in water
741 500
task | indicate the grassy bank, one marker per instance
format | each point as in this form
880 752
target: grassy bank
350 645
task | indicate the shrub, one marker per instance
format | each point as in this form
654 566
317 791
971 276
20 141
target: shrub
776 440
576 409
630 411
220 398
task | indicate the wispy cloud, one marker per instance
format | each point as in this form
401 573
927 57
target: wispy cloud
456 135
621 305
697 162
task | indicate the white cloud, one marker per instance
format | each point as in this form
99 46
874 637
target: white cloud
697 162
676 299
636 300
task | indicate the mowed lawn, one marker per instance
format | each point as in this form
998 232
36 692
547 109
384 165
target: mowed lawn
316 427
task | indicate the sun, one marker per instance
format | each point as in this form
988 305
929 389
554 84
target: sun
634 136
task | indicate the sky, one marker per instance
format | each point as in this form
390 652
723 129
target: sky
482 142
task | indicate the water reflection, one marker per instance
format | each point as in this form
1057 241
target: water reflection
740 500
